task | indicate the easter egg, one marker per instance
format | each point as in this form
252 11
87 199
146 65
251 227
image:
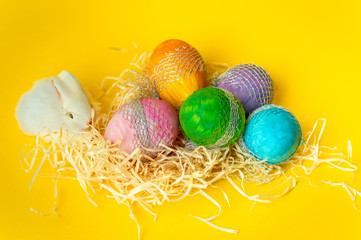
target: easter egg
251 84
272 133
177 70
212 117
143 123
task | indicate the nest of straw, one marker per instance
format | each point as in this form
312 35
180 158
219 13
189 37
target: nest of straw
177 171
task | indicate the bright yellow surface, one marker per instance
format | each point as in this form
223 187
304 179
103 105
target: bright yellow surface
311 48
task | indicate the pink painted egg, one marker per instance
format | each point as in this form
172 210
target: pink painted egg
143 123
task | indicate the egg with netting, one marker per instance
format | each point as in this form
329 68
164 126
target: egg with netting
212 117
250 83
272 134
143 123
177 70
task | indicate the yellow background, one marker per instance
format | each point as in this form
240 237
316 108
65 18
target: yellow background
311 48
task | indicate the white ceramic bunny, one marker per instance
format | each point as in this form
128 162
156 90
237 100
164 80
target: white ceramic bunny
53 104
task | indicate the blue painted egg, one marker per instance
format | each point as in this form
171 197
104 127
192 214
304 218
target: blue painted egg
272 133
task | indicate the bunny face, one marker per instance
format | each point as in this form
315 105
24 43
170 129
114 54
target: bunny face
77 117
76 122
52 104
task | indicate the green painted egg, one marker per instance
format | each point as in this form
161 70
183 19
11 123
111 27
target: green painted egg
212 117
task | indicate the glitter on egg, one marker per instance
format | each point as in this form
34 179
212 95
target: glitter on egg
212 117
272 134
143 123
251 84
177 70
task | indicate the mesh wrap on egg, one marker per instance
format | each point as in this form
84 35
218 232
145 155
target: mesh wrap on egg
181 63
259 138
212 117
250 83
151 127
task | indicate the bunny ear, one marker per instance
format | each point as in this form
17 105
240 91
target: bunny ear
71 93
52 80
66 85
65 80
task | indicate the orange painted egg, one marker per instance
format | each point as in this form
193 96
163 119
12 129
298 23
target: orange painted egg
177 70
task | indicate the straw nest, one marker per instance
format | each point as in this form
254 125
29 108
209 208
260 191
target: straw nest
177 171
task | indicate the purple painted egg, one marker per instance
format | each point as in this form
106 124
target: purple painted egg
143 123
251 84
